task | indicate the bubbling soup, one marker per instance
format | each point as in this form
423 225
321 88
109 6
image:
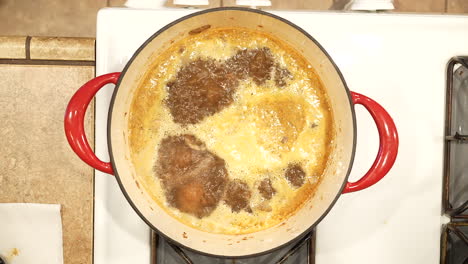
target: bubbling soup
230 130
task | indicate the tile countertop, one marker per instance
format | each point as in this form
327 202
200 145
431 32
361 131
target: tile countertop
39 75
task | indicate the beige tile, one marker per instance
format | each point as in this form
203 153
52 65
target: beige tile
64 18
291 4
36 163
12 47
301 4
420 6
48 48
457 6
169 3
116 3
338 4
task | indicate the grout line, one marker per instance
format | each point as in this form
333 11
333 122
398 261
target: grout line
47 62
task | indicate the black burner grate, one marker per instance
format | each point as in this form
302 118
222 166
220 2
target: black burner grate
302 252
454 242
456 140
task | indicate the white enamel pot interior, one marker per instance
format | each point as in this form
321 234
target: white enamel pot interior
312 211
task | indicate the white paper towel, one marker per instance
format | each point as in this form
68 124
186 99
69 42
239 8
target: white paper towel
31 233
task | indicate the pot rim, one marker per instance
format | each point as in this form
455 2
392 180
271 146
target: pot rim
109 126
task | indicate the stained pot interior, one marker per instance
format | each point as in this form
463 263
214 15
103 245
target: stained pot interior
302 220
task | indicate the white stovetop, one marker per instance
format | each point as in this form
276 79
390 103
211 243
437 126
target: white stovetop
398 60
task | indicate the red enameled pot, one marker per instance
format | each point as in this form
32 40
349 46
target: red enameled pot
334 181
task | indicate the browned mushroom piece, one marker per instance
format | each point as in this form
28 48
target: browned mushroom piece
255 63
295 175
192 177
281 75
266 189
204 87
264 206
191 198
260 65
238 196
200 89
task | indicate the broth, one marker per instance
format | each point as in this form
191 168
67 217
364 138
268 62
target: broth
230 130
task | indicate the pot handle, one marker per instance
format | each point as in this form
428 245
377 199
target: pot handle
74 120
388 148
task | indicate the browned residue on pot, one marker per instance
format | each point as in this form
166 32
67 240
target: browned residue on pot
199 30
184 235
